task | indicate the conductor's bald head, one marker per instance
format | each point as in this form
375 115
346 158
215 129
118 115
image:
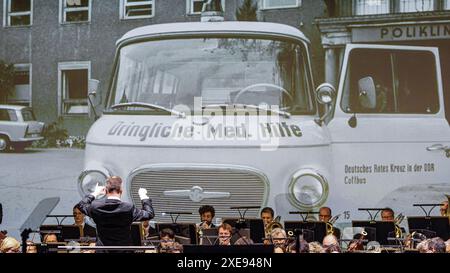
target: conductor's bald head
114 185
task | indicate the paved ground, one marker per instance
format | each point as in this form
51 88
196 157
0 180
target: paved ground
27 178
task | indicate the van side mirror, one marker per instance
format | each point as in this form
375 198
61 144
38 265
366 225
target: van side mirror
325 95
367 93
93 87
94 99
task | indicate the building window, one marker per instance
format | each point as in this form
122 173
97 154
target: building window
416 5
368 7
22 82
196 6
18 12
74 11
73 88
136 9
447 4
276 4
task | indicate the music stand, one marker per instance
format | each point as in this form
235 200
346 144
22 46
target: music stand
311 230
50 248
183 240
51 229
437 224
36 218
209 236
376 230
255 226
188 230
136 233
70 233
231 249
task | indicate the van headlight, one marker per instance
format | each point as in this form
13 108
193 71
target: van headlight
308 189
89 179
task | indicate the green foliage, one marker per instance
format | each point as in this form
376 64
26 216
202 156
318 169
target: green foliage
53 134
247 12
6 80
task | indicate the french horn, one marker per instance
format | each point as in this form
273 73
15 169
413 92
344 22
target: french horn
273 225
330 225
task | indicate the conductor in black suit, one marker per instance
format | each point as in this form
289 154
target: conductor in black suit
113 217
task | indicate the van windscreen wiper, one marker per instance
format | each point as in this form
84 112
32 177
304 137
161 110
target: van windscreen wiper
149 105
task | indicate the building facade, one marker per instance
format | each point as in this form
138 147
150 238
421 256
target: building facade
58 45
395 22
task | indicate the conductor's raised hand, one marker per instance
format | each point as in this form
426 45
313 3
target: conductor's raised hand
143 194
99 190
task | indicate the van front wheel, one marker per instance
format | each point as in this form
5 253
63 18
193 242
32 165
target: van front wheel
4 144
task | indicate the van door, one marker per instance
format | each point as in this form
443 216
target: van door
390 138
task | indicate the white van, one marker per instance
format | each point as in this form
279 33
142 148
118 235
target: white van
226 114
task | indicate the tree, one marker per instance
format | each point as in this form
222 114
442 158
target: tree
6 80
247 11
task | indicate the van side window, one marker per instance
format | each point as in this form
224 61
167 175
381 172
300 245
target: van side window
381 81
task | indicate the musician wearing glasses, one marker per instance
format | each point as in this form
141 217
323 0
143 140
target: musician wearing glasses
326 216
279 240
224 234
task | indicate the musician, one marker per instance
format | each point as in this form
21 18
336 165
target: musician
267 215
50 238
315 247
331 244
31 247
279 240
325 216
167 238
443 209
224 234
10 245
112 216
387 214
207 214
436 245
85 229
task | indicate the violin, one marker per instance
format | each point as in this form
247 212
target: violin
358 244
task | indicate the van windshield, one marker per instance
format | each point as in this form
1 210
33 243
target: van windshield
220 71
